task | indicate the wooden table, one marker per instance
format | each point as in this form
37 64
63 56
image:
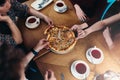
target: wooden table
61 63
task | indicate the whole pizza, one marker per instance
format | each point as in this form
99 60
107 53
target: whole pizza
61 39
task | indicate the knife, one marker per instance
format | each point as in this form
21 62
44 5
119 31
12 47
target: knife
48 51
62 76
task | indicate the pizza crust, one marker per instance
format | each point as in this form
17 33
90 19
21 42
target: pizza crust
61 39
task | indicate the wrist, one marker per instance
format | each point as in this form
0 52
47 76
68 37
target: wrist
9 21
34 51
88 31
37 48
44 17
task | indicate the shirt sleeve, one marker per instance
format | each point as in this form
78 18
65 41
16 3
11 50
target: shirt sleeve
21 10
8 39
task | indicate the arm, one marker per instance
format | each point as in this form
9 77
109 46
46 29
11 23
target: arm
97 10
41 44
15 31
95 27
79 12
98 25
40 15
23 10
49 75
112 19
101 24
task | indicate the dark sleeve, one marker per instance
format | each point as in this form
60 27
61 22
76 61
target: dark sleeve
98 12
75 1
88 6
21 10
7 38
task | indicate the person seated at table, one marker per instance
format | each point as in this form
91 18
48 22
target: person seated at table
13 61
15 36
90 11
103 24
10 11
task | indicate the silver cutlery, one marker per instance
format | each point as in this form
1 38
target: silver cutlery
62 76
42 54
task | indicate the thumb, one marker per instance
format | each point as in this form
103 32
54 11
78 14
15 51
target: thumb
46 75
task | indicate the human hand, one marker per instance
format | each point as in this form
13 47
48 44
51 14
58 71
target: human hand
41 44
100 77
81 26
49 21
79 33
49 75
4 18
76 27
79 12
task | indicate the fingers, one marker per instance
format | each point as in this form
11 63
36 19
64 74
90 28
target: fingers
52 25
81 34
46 75
82 17
50 22
49 75
44 42
75 27
52 73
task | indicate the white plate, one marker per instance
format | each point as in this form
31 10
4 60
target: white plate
59 11
31 26
78 75
93 60
40 4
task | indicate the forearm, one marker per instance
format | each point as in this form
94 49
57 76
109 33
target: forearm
101 24
112 19
95 27
16 34
30 55
28 58
36 13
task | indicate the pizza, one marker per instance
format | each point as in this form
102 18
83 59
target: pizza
61 39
